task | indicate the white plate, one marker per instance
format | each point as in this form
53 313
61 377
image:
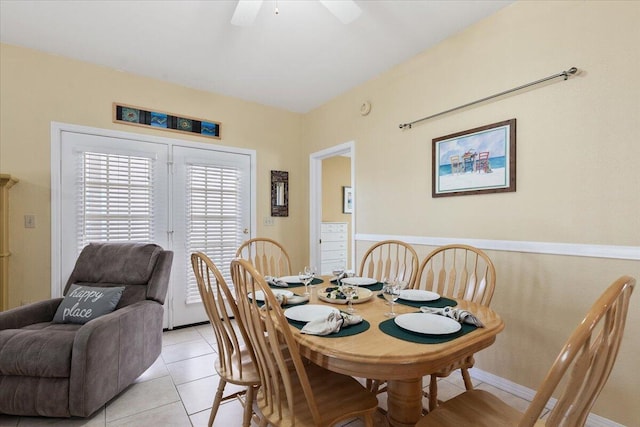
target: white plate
276 292
290 279
364 295
308 312
424 323
418 295
359 281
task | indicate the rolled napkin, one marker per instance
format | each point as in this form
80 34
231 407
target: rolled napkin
295 299
457 314
274 281
330 324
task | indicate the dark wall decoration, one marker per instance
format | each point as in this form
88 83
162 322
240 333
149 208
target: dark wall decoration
137 116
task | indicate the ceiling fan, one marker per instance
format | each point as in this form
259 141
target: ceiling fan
246 11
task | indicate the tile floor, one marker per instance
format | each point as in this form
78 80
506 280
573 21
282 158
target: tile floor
179 388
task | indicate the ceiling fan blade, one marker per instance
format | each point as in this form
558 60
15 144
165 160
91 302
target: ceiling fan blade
246 12
346 11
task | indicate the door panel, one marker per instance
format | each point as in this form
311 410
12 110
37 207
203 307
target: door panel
211 195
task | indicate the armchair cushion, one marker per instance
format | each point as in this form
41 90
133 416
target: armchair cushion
82 303
37 352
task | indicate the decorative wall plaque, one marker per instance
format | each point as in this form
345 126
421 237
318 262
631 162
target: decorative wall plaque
137 116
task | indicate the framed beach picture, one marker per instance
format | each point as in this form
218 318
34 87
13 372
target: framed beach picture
475 161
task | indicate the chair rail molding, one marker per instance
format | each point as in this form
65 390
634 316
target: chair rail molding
552 248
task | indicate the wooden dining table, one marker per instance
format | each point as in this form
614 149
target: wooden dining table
375 355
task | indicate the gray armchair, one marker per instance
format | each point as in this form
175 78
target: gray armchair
65 369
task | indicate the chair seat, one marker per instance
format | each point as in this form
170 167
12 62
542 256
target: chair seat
36 352
246 375
336 396
481 406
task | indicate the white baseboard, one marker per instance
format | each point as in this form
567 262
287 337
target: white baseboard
571 249
528 394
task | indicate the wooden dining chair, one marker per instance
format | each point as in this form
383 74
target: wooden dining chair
293 392
269 257
576 377
236 360
462 272
390 259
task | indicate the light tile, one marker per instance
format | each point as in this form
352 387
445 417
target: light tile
96 420
185 350
198 395
206 332
447 390
157 370
200 419
382 401
229 414
192 369
178 336
172 414
142 397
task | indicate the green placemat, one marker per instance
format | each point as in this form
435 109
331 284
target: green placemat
375 287
284 307
389 327
315 281
344 332
439 303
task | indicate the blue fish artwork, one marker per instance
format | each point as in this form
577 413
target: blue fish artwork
158 120
209 129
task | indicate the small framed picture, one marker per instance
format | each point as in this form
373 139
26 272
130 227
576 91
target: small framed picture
347 200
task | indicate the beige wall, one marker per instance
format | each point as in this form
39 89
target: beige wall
576 178
336 173
38 88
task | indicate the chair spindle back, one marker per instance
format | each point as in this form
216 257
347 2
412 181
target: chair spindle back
266 255
390 259
458 271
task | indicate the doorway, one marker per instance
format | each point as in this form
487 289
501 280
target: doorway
316 199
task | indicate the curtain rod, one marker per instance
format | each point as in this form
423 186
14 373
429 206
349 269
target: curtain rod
565 74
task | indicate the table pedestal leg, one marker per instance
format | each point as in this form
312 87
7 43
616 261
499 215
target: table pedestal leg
404 402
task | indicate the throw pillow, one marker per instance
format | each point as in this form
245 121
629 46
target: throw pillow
85 303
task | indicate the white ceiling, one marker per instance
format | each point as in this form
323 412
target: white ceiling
296 60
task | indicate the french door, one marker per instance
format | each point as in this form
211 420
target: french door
211 193
186 197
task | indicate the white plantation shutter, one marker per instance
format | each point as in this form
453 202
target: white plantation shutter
115 201
214 220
